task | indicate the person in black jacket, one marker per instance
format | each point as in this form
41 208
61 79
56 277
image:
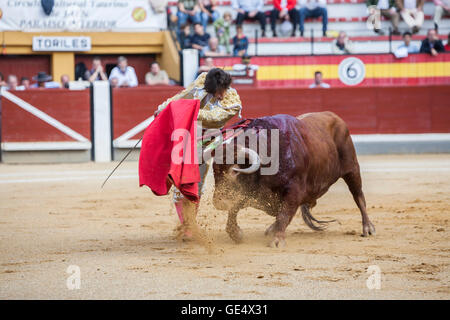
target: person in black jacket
200 38
432 44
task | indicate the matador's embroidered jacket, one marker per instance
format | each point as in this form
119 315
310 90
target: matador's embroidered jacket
213 113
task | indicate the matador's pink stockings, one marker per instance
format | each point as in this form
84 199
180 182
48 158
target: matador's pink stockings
179 207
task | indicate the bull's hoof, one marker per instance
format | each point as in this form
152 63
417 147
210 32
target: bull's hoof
237 237
235 234
270 230
278 243
368 229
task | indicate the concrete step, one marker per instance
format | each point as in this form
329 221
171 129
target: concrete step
330 39
305 48
351 28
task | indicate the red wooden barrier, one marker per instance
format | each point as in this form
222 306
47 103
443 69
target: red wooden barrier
69 108
366 110
131 106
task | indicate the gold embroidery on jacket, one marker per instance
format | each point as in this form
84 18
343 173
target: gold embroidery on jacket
213 113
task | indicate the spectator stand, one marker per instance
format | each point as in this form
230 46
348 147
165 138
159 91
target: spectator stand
343 15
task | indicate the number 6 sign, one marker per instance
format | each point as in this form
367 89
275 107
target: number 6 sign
351 71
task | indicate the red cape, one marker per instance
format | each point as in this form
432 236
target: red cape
155 160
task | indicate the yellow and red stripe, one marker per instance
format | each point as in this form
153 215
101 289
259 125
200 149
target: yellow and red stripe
381 70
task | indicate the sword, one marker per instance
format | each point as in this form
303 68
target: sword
151 120
122 161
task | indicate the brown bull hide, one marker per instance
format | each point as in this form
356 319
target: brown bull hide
315 150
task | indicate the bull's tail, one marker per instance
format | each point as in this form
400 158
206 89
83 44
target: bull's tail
309 220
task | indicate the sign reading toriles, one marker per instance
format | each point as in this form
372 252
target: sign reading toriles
54 43
351 71
81 15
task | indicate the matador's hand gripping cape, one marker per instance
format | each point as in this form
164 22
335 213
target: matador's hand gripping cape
213 113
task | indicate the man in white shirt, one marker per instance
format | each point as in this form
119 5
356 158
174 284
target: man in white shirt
412 13
407 47
13 83
318 81
125 75
213 49
313 9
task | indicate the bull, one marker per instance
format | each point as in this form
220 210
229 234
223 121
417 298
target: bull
314 149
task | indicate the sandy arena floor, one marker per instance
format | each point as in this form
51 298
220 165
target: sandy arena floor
121 238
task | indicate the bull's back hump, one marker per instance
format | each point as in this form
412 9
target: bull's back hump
283 122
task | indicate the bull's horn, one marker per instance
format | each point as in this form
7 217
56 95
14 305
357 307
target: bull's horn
255 161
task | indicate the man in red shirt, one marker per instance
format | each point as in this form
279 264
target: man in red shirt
284 9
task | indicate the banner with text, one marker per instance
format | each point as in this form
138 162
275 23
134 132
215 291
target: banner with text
80 15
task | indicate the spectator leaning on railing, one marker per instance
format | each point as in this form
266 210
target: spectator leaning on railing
222 27
25 83
208 11
44 81
283 9
318 83
342 44
250 9
385 8
156 76
240 42
432 44
208 65
13 83
96 72
188 10
213 49
442 8
412 13
407 45
313 9
125 74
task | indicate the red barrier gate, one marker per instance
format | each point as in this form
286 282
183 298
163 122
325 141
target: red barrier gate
49 119
60 119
